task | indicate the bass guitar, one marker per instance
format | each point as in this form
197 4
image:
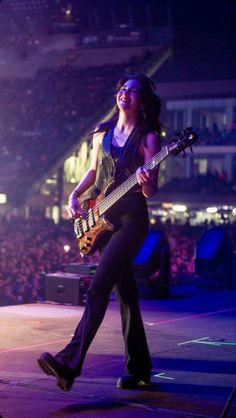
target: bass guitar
89 227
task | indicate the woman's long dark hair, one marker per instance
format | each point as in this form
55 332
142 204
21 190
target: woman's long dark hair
149 116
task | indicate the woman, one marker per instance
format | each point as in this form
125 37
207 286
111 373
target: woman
125 142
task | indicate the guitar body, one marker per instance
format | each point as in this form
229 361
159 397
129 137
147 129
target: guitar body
88 233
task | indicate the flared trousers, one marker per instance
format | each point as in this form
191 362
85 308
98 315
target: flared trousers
115 271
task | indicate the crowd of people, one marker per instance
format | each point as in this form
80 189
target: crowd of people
203 183
38 117
29 249
41 114
217 136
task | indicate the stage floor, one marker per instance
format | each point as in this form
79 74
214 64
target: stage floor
192 340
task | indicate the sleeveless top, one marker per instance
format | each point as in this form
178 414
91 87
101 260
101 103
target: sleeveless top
117 163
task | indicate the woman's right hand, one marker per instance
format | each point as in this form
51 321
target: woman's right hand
74 208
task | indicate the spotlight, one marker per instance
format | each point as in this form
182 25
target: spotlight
211 209
3 196
68 12
179 208
66 248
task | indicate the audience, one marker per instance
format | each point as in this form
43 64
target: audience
210 182
31 248
40 115
217 136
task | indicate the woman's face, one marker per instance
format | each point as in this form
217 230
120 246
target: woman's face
128 97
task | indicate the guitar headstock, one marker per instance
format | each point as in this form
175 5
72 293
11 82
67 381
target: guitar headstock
182 140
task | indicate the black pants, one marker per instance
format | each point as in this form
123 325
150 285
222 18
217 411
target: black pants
115 271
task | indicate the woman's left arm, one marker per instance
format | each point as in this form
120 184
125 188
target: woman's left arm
148 179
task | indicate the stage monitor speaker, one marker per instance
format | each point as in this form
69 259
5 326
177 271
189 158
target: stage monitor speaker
213 258
154 255
66 288
81 268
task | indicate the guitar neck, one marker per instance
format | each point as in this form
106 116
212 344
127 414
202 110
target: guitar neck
128 184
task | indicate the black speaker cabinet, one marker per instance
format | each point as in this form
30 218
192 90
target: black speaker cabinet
67 288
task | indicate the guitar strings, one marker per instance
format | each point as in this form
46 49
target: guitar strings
130 182
116 192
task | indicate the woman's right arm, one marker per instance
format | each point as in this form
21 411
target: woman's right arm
88 179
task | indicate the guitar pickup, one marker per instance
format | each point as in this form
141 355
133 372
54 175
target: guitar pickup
85 225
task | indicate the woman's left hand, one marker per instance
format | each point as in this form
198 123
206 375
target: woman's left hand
143 176
146 179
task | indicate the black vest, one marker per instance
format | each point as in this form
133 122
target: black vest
118 169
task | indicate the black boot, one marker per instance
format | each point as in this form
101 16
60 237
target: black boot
52 367
132 382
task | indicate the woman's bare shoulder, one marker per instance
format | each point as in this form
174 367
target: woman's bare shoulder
153 136
151 140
